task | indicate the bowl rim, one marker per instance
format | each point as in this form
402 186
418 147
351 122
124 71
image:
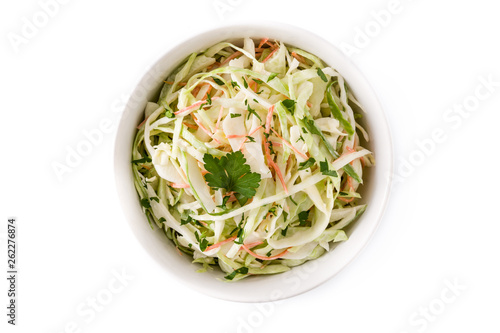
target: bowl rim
240 294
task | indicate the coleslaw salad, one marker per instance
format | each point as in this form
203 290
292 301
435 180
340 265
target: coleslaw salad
251 158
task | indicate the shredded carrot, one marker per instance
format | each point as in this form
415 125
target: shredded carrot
178 251
298 57
277 144
346 200
235 136
190 125
349 149
196 91
349 181
204 129
253 85
219 118
270 55
270 161
280 176
232 56
216 245
208 91
262 42
269 118
362 160
213 66
177 185
258 256
275 167
298 152
193 106
254 244
308 104
249 134
188 108
140 125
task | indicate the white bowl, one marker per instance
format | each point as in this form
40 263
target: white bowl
301 278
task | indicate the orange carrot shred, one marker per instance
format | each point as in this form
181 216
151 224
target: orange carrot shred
232 56
262 42
270 55
279 255
216 245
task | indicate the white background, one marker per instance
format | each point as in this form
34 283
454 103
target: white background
441 226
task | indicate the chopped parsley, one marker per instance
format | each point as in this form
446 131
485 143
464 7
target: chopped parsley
241 270
323 167
272 76
289 104
307 164
145 203
252 111
142 160
322 75
218 81
303 216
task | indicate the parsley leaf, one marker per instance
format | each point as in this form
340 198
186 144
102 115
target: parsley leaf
245 83
307 164
323 167
290 105
252 111
241 270
322 75
283 232
142 160
218 81
231 173
145 203
250 138
203 244
186 221
162 219
239 237
303 216
272 76
235 115
235 84
337 114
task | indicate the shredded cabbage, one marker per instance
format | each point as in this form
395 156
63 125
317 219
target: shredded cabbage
293 120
